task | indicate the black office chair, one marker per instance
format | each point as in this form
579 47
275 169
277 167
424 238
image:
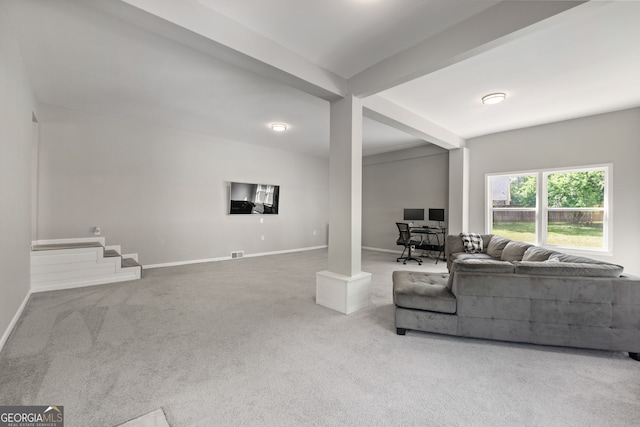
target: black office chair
408 241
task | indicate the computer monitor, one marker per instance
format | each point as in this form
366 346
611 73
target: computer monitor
436 215
414 214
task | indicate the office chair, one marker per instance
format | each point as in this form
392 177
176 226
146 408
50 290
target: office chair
407 240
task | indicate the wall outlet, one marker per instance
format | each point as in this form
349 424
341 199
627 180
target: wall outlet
314 232
262 237
96 231
261 221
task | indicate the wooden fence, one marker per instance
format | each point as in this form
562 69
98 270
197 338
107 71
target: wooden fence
554 216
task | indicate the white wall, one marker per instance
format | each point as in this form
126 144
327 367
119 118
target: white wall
164 193
606 138
414 178
17 104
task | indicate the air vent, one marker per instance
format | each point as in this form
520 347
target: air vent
237 254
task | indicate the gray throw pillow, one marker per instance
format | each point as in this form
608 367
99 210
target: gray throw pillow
514 251
496 246
535 253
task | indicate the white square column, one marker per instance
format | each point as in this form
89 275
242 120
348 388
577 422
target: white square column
345 294
344 287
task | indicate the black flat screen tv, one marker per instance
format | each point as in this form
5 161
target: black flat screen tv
414 214
253 199
436 215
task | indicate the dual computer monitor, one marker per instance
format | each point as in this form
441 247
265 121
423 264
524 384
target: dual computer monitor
418 215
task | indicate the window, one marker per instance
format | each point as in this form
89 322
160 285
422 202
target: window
567 208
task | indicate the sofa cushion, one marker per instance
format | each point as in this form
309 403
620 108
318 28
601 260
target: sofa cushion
423 291
483 266
496 246
473 243
535 253
580 259
567 269
464 255
514 251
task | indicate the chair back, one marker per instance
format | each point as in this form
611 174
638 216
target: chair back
404 236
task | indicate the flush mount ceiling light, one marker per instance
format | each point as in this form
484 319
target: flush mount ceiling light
278 127
493 98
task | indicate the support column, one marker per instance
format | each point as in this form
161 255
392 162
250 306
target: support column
458 190
344 287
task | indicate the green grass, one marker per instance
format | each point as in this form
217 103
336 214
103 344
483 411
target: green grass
560 233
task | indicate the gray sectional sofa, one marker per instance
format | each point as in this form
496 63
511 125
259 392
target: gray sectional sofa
514 291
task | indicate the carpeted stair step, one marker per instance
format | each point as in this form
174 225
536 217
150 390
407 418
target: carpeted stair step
48 247
109 253
130 262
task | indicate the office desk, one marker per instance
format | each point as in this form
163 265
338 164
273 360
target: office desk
433 239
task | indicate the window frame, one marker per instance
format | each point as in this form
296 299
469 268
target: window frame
542 206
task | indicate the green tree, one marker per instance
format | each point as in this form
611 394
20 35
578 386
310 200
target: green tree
576 190
523 189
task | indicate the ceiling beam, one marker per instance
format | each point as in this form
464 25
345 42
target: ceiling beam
200 27
492 27
384 111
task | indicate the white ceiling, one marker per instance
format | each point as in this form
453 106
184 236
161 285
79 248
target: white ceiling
114 57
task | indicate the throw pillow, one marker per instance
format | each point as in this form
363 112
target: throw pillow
535 253
473 243
514 251
496 246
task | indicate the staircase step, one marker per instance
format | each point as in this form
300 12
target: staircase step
54 246
71 263
130 262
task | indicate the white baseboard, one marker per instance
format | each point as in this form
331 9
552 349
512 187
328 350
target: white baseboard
13 322
226 258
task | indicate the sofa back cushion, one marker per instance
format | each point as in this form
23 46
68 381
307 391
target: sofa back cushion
496 246
514 251
483 266
479 265
581 269
535 253
576 258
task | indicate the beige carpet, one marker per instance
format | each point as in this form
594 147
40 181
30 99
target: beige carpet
152 419
242 342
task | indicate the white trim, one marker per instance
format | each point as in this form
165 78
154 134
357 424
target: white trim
12 324
86 282
178 263
100 240
227 258
389 251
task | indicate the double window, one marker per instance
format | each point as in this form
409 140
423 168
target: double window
568 208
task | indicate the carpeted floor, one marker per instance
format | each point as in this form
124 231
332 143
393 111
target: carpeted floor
242 342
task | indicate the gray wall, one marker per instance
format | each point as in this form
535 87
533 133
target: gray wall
164 193
17 137
607 138
414 178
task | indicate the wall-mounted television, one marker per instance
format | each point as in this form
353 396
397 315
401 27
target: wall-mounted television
436 215
253 199
414 214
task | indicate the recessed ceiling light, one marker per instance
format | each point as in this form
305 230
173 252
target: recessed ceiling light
278 127
493 98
